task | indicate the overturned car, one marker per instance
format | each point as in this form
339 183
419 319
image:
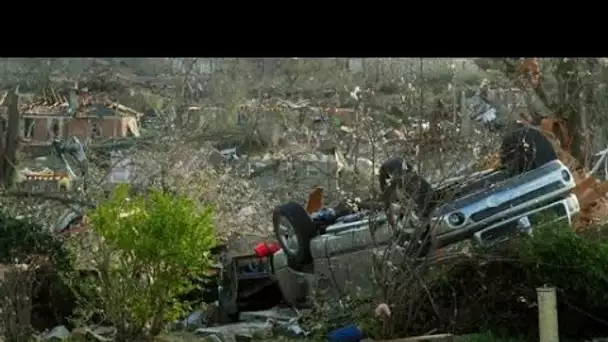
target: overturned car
334 248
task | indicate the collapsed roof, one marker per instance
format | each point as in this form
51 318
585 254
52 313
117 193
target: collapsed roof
75 104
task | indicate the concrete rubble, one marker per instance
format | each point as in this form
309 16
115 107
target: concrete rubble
61 333
253 324
265 323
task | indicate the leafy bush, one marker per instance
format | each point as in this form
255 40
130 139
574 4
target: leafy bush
152 246
17 290
20 239
494 290
576 264
34 263
489 336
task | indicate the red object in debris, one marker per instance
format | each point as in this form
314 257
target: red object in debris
274 247
263 249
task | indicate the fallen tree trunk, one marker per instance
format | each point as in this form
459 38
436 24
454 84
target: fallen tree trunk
564 104
9 163
536 97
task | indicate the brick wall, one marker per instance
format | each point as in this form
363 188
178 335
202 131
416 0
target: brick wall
83 128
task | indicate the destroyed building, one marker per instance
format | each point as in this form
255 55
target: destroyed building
87 117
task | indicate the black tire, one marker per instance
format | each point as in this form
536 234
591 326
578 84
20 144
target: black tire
525 149
394 168
228 309
304 229
403 177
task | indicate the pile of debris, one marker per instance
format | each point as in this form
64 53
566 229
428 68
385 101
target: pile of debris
47 180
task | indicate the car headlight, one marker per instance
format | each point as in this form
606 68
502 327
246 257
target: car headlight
456 219
573 205
566 175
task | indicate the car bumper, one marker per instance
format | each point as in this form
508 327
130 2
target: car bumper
294 285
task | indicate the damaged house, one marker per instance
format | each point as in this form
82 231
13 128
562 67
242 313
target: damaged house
88 117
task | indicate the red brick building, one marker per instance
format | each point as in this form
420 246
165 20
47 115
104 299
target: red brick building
90 121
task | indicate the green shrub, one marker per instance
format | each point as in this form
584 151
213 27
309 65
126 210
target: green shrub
21 238
43 296
494 290
576 264
152 247
489 336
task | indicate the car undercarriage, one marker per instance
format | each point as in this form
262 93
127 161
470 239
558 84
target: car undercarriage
332 248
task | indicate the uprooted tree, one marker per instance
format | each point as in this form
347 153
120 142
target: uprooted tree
563 88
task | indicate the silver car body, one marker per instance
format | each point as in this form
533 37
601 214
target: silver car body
344 255
499 203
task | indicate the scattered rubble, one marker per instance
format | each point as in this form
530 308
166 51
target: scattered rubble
266 172
94 333
266 323
252 324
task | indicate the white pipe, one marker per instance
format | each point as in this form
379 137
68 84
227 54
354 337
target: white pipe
547 314
606 169
598 164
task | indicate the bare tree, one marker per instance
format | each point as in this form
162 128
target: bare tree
572 85
11 139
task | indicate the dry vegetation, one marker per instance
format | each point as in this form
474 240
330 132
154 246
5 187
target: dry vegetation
298 123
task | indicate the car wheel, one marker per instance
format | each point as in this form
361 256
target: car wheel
294 229
392 169
228 290
525 149
396 174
